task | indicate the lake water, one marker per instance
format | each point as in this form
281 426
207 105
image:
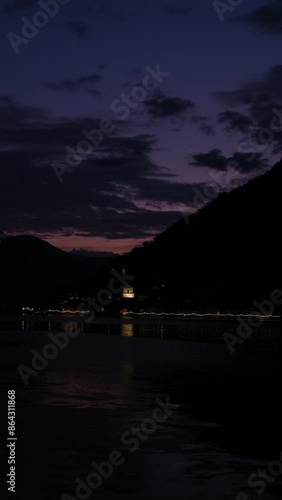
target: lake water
227 423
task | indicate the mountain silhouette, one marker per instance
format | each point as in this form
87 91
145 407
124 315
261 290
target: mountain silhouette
35 273
229 254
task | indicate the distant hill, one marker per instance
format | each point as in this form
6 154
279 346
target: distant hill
88 253
34 272
229 254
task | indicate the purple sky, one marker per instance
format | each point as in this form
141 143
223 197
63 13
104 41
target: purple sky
225 80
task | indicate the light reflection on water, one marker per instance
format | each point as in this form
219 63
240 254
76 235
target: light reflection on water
269 332
75 410
127 330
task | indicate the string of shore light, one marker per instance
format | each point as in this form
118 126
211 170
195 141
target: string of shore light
183 315
205 315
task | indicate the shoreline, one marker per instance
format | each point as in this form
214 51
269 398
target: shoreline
126 320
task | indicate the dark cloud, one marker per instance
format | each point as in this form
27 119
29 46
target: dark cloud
117 191
243 162
83 83
205 128
258 103
235 121
213 159
160 106
267 87
78 29
267 18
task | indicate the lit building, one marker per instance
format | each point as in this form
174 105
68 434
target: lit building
128 292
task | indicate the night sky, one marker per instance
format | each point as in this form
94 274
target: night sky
223 78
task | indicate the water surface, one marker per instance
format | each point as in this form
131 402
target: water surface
108 379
